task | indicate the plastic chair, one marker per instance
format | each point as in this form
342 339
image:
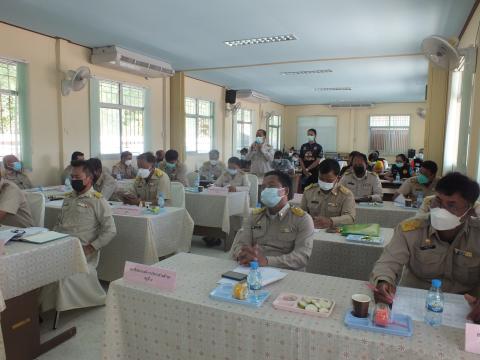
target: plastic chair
36 201
253 189
178 194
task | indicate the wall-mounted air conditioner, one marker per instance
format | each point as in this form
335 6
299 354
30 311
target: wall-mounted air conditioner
352 106
252 96
124 60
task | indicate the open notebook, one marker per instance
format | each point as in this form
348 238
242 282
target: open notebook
42 238
36 235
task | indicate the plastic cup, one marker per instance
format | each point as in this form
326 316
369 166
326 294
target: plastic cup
360 305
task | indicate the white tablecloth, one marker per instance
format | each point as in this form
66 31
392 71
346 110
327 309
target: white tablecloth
333 255
141 239
386 214
144 323
214 210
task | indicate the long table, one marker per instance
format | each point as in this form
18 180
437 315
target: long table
146 323
143 239
333 255
24 269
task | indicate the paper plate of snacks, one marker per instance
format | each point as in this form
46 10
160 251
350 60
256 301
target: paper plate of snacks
303 304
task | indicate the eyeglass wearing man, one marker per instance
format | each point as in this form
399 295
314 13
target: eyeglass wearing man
442 244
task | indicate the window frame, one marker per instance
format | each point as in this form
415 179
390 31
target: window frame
119 106
278 128
198 117
390 152
236 149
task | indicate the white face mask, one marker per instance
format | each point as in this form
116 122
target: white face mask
128 162
143 173
213 162
442 219
325 186
232 172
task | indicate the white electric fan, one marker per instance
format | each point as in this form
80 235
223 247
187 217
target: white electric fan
441 52
75 80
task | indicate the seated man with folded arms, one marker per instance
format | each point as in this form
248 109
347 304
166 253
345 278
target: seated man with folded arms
124 169
172 166
76 155
150 182
329 203
14 208
233 177
14 172
211 170
424 183
440 245
276 235
87 216
364 184
104 183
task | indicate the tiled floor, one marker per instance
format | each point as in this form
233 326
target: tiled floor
87 344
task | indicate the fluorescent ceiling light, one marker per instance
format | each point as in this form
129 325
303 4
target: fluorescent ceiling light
306 72
344 88
260 40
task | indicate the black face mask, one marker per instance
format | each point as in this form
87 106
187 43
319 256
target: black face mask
359 171
78 185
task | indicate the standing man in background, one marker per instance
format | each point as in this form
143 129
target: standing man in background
260 154
311 154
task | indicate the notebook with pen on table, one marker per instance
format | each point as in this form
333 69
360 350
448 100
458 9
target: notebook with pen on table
34 235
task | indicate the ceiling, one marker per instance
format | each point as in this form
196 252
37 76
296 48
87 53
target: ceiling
190 34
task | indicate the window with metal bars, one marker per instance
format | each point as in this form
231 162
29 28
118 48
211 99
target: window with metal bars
199 125
244 132
122 113
274 127
10 135
390 134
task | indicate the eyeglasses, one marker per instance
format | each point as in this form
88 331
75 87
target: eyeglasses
437 203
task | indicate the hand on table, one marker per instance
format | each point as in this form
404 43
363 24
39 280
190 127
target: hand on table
251 253
385 293
88 249
474 303
232 189
131 199
322 222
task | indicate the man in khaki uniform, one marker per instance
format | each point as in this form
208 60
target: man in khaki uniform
442 245
211 170
233 177
260 154
104 182
364 185
86 215
423 184
14 172
277 235
124 169
14 208
150 182
175 170
76 155
329 203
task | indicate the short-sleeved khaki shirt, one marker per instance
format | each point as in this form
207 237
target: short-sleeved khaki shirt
411 186
20 179
368 185
148 189
13 201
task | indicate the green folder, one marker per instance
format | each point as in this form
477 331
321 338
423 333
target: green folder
360 229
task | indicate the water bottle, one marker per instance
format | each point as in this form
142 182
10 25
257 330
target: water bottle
419 198
161 200
68 184
254 279
119 176
397 178
434 304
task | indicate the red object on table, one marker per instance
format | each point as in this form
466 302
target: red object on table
381 316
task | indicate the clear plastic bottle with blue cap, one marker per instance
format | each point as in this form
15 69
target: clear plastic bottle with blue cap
161 200
119 176
68 184
434 304
397 178
196 184
254 279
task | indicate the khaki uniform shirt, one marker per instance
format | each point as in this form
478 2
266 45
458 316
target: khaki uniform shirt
87 217
14 202
66 173
286 239
337 204
179 173
240 181
417 246
211 172
411 186
126 172
106 185
261 159
20 179
368 185
148 189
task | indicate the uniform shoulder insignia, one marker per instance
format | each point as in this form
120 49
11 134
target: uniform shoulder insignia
97 195
69 194
158 172
311 186
257 211
343 189
411 224
297 211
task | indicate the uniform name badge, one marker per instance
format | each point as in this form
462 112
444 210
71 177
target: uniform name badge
314 202
82 205
427 245
463 253
256 227
285 230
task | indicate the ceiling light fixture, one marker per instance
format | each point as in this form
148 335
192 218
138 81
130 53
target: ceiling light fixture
307 72
344 88
260 40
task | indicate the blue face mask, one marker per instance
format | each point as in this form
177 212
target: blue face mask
170 165
17 166
270 197
399 164
422 179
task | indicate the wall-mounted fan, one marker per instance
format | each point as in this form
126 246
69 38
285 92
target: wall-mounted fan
75 80
268 116
441 51
233 108
421 112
